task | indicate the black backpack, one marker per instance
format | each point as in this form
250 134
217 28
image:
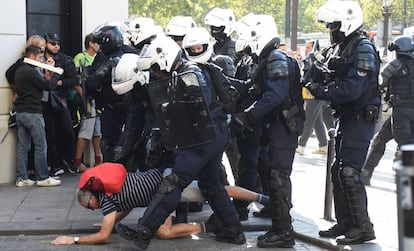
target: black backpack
227 95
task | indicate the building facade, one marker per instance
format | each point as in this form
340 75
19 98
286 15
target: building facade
19 19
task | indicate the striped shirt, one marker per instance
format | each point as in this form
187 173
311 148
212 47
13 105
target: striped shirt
138 190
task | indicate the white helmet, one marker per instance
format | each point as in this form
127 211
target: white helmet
219 17
179 25
162 51
198 36
124 74
347 12
256 31
142 30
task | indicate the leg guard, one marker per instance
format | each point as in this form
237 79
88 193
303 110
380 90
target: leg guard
354 190
342 214
280 201
374 156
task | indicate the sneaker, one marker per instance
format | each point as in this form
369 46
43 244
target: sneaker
321 150
72 168
25 183
300 150
57 172
49 182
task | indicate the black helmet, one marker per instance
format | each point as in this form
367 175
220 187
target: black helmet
109 38
402 45
52 37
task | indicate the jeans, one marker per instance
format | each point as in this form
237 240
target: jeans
314 121
31 126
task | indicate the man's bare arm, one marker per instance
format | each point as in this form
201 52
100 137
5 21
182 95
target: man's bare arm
102 236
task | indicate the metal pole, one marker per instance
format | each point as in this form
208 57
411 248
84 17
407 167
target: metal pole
405 207
327 209
386 13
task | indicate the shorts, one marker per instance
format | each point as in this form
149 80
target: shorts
89 128
192 193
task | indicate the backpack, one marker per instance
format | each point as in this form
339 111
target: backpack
227 95
106 177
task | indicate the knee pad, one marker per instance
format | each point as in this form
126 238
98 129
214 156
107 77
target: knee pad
169 183
349 177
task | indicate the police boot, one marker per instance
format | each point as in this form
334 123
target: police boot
362 229
141 237
272 239
281 234
232 234
342 214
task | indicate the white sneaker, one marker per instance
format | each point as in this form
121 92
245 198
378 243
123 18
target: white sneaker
300 150
321 150
49 182
25 183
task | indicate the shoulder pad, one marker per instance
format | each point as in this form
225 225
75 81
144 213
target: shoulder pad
390 70
277 65
367 57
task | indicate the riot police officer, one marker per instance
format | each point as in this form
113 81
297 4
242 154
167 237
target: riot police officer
98 85
398 80
348 78
197 136
279 103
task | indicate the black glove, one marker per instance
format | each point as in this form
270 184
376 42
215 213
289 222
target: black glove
241 121
315 88
104 69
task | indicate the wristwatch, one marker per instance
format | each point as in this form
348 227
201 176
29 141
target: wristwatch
76 239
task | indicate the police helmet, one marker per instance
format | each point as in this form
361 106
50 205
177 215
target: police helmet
226 63
179 25
402 45
123 75
256 31
142 30
222 21
162 53
109 38
344 15
198 36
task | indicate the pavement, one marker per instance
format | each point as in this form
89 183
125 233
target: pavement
31 217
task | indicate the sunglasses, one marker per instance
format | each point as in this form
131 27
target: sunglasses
54 43
89 203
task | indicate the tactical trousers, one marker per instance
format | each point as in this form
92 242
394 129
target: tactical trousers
112 121
282 147
403 124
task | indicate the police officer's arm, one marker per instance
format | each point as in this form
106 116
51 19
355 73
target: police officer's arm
102 236
357 80
276 86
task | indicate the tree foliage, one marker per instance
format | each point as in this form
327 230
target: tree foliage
162 11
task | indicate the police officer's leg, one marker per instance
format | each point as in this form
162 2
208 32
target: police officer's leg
356 136
401 125
217 196
112 122
221 204
342 215
377 150
249 148
282 147
264 174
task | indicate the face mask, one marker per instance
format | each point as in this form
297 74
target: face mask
219 36
337 37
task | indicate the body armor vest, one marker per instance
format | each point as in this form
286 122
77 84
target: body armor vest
401 86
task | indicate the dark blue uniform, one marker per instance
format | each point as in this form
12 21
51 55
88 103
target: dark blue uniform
201 162
354 94
276 76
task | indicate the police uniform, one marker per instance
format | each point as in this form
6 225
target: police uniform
275 76
202 162
354 95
